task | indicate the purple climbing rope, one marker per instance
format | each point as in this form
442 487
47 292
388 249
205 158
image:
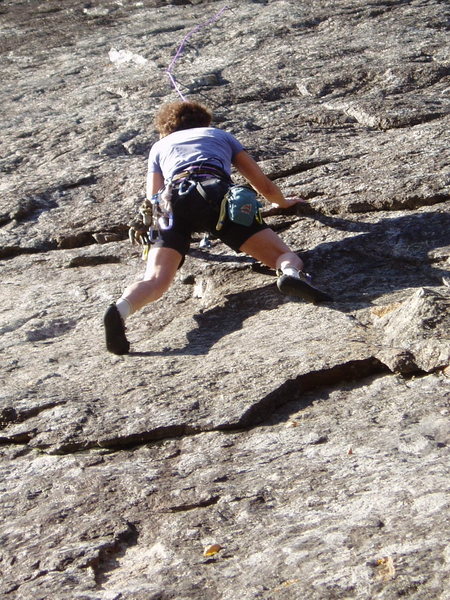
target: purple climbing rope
181 47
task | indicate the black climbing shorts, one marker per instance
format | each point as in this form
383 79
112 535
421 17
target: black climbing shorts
193 213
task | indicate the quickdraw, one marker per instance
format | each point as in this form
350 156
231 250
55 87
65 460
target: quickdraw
141 229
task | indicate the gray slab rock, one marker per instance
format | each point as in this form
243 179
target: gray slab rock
313 502
309 443
221 369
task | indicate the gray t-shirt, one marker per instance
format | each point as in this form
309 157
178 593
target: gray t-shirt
177 151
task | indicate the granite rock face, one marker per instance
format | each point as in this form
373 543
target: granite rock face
306 446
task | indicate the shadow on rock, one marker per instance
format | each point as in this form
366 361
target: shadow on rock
393 254
223 320
390 255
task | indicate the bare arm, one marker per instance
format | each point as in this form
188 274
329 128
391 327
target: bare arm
155 182
250 169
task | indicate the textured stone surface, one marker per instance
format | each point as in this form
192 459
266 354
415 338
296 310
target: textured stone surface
309 443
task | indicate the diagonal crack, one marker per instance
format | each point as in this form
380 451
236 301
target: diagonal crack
298 168
194 505
10 415
294 389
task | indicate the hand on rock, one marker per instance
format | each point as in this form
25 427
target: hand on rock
291 201
292 205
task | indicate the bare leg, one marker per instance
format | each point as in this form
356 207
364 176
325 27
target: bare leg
267 247
162 265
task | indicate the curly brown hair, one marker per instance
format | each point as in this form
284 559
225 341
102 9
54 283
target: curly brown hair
181 115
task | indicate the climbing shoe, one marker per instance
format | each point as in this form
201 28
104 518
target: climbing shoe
116 341
301 288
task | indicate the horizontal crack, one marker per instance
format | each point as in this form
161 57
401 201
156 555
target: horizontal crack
81 239
139 439
266 94
291 390
19 439
127 442
13 251
296 169
9 415
396 203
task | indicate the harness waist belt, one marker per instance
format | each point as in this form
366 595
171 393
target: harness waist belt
202 171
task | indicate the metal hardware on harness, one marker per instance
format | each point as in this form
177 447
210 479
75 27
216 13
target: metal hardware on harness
162 201
165 222
205 242
140 229
186 186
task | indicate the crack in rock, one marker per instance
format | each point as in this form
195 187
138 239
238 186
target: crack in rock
295 388
193 506
10 415
107 558
259 412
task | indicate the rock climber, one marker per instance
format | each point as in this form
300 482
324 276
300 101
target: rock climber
189 152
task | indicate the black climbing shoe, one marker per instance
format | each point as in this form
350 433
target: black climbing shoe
301 288
116 340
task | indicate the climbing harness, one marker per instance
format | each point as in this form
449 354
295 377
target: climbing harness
239 204
195 175
169 70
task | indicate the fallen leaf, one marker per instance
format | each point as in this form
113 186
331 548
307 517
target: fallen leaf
211 550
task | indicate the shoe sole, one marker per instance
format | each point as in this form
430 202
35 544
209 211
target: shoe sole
116 341
291 286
